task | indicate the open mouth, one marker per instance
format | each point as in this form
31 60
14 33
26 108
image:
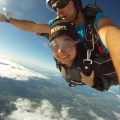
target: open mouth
63 17
63 57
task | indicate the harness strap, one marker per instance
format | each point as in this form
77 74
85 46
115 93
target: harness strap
87 64
91 36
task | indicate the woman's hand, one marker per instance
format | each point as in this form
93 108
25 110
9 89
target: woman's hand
89 80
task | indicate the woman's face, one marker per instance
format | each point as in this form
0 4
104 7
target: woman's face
64 50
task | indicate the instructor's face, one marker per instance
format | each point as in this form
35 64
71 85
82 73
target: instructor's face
64 50
68 13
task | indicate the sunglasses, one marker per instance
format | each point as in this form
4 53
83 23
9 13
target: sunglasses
64 44
61 4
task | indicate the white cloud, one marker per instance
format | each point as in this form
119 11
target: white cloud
118 96
15 71
95 116
111 91
57 74
117 115
26 110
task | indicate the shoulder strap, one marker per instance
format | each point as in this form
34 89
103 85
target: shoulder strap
91 10
72 76
91 35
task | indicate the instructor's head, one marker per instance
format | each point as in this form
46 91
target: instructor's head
66 9
63 38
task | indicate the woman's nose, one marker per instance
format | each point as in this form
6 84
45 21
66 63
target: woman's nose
60 50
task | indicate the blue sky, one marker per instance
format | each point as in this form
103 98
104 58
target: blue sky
27 48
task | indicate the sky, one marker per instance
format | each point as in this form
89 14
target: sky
25 47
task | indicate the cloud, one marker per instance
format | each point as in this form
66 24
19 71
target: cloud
26 110
117 115
95 116
111 91
15 71
118 96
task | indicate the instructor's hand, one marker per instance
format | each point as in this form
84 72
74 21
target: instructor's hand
89 80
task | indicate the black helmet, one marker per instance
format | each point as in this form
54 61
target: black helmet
61 27
78 3
49 3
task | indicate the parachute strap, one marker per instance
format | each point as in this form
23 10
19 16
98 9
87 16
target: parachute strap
74 83
90 39
87 64
91 35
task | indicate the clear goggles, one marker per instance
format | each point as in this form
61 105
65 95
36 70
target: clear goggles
62 43
60 4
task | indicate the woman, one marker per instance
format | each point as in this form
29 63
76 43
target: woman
69 55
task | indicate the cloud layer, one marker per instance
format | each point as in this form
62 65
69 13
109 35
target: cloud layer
26 110
15 71
95 116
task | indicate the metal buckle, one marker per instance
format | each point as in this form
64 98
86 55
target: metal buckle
87 64
88 57
74 83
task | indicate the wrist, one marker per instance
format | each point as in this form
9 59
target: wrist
8 17
98 84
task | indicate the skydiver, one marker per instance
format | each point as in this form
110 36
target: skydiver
71 11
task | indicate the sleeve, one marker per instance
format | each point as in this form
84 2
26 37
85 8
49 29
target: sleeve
54 20
105 75
98 17
104 83
46 35
98 84
51 22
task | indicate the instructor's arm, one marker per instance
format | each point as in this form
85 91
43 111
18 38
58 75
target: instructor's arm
27 25
110 36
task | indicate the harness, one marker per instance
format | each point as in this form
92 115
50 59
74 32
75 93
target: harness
92 45
91 41
72 75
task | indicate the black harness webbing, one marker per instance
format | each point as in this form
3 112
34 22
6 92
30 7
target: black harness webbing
91 36
91 44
